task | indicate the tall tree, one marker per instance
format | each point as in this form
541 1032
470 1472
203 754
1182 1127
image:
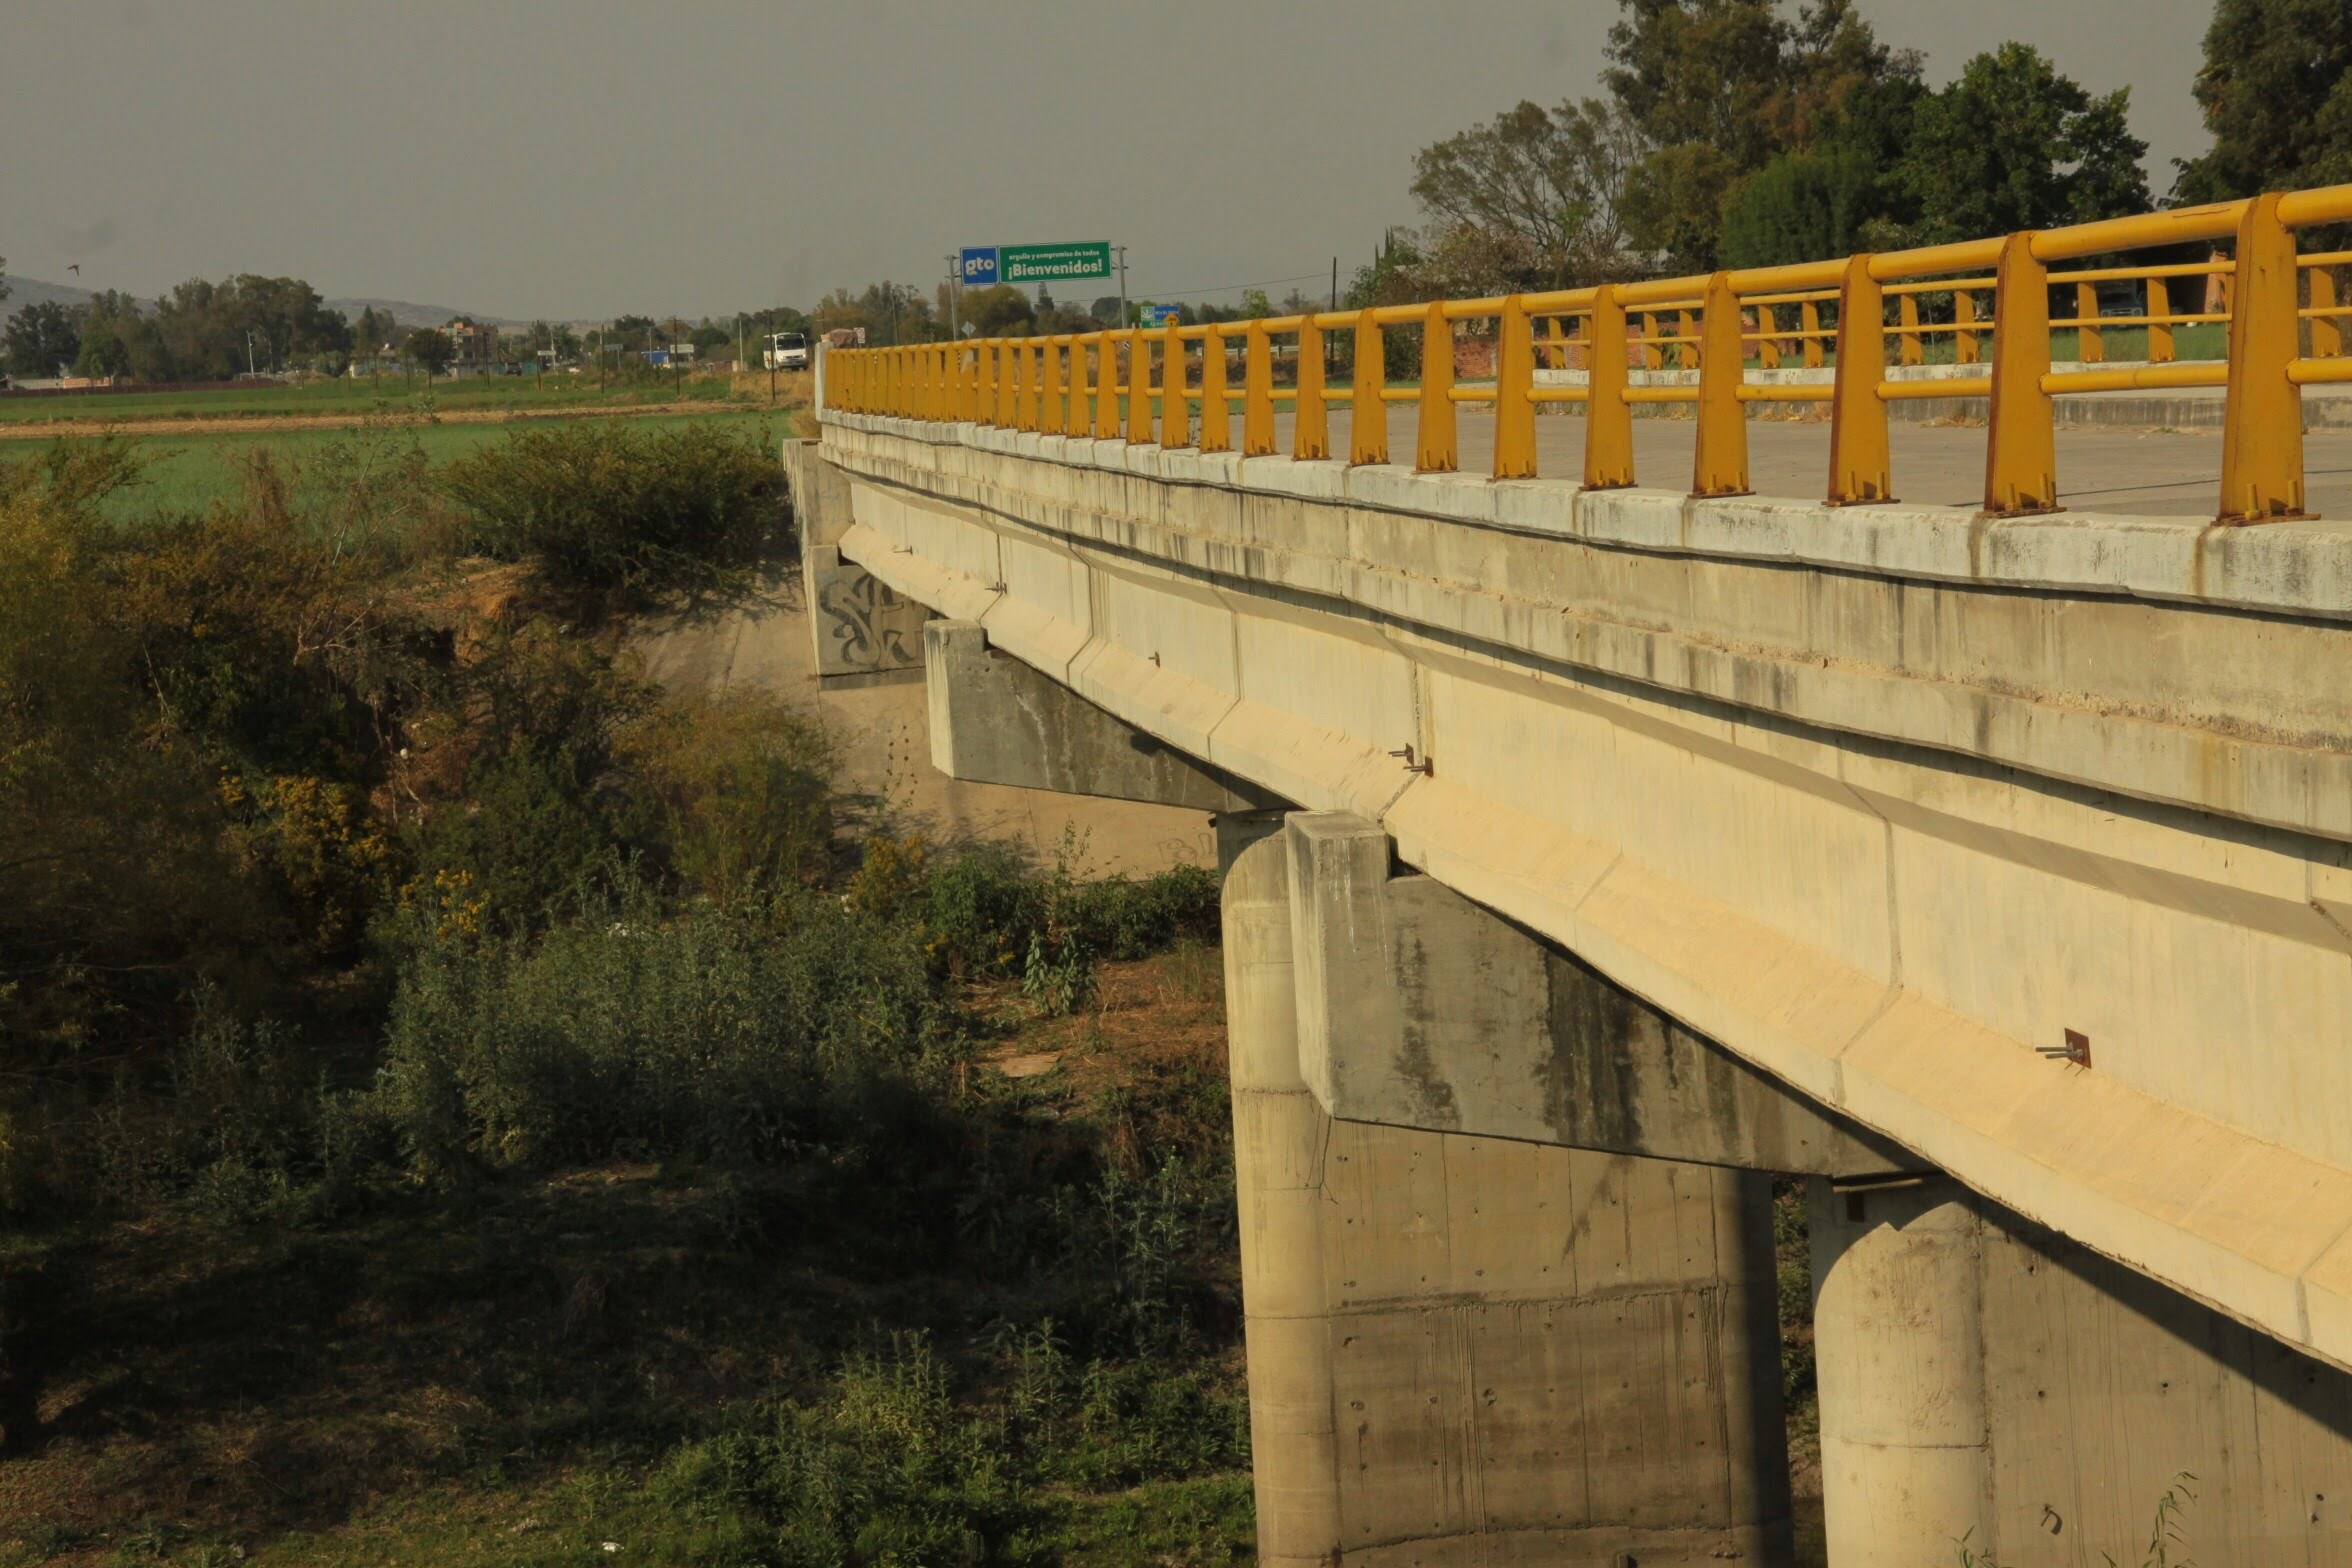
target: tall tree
430 348
1716 90
2276 89
41 339
1540 190
2015 144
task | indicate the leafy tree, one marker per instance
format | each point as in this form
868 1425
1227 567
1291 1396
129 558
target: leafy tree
431 348
1803 206
2276 89
3 277
1000 310
1105 309
2013 144
1543 188
1717 89
1255 306
372 330
41 339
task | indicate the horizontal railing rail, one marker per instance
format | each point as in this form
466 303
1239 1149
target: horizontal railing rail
1141 384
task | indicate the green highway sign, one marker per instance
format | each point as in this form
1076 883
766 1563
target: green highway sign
1052 263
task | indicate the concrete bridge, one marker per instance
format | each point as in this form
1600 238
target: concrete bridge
1595 853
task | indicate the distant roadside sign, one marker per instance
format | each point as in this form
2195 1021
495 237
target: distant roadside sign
1054 263
979 268
1154 315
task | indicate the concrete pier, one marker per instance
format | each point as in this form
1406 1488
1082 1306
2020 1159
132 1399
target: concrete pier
1474 1350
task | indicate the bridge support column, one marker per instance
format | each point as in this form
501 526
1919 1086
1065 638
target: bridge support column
1983 1376
1466 1349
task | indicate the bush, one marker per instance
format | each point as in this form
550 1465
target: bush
703 1035
734 793
601 510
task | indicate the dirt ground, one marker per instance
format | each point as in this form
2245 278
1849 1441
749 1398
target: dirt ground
885 750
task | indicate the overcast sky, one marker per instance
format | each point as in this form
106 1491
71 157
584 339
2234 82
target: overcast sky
583 158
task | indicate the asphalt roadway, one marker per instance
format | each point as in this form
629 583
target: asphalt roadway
2140 473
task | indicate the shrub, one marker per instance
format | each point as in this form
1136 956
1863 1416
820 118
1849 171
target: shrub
733 793
609 512
704 1035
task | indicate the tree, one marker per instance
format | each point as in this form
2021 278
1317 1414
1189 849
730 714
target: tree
1803 206
1541 188
431 348
41 339
2013 144
1718 89
2276 89
3 277
372 330
1000 310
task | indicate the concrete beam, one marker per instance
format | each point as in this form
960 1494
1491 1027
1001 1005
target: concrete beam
1418 1008
994 720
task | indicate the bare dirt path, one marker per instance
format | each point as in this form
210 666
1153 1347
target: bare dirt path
270 424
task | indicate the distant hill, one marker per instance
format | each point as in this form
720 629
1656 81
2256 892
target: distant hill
33 291
407 313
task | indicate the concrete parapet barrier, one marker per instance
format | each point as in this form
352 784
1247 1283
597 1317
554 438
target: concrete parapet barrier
1473 1351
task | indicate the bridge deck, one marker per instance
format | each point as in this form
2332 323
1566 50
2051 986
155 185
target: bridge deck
2164 473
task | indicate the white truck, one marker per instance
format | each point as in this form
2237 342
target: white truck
786 351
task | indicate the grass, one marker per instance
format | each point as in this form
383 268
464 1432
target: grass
345 396
190 472
547 1365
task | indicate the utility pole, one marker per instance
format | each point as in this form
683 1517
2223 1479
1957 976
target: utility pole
1122 250
955 328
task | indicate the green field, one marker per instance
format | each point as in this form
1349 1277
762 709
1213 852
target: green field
187 473
313 399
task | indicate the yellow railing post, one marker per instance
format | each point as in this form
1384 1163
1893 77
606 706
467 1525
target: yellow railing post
2262 417
1767 345
2090 344
1514 440
1139 387
1719 465
1081 416
1310 426
1809 317
1025 384
1653 352
984 370
1049 408
1437 447
2327 332
1913 352
2021 445
1216 432
1964 350
2159 306
1686 352
1008 385
890 382
1608 418
964 377
927 382
1367 409
1257 392
1106 387
1859 466
1175 403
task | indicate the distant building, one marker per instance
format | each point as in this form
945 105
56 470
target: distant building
476 345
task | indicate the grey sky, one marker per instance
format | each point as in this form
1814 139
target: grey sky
581 158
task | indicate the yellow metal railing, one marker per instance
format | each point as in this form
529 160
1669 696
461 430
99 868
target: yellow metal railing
1103 384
